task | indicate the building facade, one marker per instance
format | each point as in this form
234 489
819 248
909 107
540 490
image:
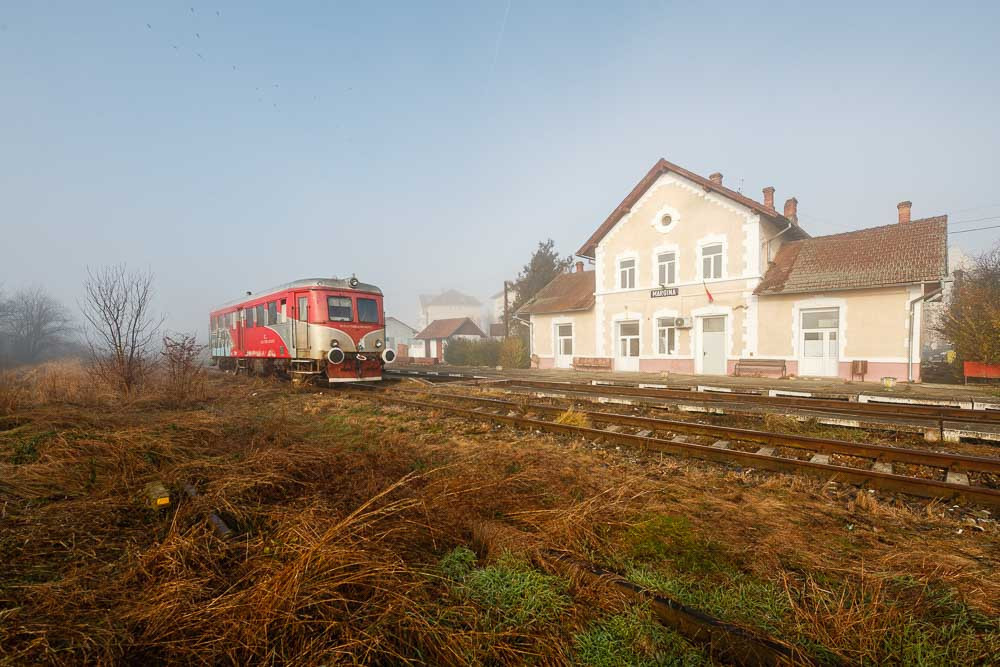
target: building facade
690 277
449 304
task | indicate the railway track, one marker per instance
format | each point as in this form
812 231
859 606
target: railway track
877 466
937 422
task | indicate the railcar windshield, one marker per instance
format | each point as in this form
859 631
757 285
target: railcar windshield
368 311
339 308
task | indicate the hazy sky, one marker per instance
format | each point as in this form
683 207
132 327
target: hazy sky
425 147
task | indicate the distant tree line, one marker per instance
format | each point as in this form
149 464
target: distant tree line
35 327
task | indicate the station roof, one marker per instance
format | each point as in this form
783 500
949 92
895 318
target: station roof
567 292
898 254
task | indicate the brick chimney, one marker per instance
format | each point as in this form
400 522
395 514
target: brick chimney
792 210
769 197
715 178
904 211
579 267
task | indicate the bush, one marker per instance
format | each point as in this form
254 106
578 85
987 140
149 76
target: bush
467 352
514 354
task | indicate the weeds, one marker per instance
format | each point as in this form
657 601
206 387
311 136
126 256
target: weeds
634 638
514 595
573 418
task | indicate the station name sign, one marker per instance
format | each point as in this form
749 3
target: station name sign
663 291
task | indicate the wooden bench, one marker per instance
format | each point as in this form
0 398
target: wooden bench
592 363
752 366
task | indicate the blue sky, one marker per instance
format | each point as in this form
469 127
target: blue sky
432 146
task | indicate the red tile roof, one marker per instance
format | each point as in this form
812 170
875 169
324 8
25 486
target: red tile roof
565 293
450 327
662 167
899 254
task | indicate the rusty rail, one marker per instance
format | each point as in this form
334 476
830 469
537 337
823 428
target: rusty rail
888 481
893 411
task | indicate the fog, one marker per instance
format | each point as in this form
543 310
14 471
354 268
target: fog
422 148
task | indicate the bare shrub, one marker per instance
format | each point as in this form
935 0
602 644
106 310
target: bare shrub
514 353
11 392
118 308
184 375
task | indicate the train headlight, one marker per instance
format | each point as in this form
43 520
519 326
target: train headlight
353 281
361 345
378 343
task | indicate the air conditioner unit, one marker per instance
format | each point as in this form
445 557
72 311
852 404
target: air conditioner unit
682 322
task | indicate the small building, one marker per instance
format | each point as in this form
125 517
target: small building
399 336
691 277
436 336
449 304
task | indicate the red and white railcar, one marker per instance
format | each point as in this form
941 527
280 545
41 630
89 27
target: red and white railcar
329 329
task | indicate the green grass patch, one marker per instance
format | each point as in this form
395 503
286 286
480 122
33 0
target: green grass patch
457 563
512 593
735 597
634 638
661 537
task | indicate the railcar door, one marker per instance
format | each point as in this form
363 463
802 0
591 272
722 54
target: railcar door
301 323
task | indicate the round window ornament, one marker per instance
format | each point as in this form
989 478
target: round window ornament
666 220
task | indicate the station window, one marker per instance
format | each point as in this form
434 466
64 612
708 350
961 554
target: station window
272 312
339 308
667 265
368 311
711 261
626 274
666 335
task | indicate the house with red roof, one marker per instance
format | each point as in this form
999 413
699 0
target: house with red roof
434 338
691 276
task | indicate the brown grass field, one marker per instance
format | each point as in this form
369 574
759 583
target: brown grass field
373 534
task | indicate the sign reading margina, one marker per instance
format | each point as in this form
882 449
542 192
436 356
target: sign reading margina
663 291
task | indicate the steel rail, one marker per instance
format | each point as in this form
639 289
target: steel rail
927 488
726 641
880 453
885 410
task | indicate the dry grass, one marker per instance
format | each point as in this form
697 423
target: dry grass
383 535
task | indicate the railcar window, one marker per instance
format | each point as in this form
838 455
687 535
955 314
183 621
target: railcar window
368 311
339 308
272 312
248 323
261 320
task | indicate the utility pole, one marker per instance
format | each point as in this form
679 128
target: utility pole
506 311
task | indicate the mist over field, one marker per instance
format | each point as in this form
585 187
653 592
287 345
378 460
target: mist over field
227 148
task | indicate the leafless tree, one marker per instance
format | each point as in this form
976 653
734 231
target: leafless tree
184 374
34 323
122 327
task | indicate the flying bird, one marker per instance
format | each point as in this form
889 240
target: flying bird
198 35
149 26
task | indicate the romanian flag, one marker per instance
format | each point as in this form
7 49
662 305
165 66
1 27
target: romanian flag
711 299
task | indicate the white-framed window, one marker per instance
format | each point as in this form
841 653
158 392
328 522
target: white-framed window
665 219
564 340
666 336
711 261
666 268
626 273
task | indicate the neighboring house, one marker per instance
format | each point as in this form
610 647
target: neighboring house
449 304
691 276
436 336
398 333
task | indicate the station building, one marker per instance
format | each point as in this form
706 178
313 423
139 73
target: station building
690 276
